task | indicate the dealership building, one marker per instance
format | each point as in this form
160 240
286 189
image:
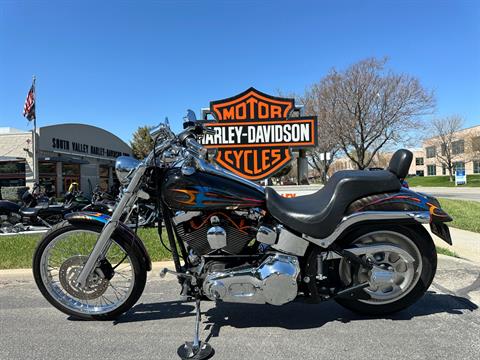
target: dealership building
430 159
66 153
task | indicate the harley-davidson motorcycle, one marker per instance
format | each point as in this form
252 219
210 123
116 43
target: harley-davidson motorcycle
360 240
38 210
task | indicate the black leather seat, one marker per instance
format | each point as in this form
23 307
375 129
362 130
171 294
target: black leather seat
33 211
318 214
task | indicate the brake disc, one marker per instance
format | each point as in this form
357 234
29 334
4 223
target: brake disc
68 274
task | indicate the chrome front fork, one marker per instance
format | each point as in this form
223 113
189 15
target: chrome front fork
104 240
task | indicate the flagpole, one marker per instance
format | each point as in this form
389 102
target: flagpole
34 139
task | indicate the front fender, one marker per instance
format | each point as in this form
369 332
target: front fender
122 230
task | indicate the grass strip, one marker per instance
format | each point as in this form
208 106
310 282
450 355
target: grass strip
465 214
441 181
445 251
16 251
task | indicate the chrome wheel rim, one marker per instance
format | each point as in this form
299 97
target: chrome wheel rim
404 273
61 262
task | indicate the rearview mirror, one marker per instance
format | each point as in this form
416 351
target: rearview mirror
190 116
123 166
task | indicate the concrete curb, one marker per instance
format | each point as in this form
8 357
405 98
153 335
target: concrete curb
27 275
466 244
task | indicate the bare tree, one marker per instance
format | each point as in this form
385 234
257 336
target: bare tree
321 157
444 131
366 107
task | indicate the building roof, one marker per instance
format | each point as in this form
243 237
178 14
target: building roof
94 131
10 158
477 127
10 130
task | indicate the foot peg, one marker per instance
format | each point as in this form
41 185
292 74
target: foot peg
196 349
166 271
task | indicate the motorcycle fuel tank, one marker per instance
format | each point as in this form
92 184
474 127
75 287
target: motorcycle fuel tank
205 191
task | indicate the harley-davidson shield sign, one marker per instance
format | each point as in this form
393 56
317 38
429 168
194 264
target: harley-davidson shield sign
254 133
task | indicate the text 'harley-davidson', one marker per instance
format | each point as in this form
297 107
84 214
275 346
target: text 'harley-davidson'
360 240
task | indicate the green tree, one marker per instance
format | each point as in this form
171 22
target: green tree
142 142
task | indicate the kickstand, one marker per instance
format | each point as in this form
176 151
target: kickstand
196 350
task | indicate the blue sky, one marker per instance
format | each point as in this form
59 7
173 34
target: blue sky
122 64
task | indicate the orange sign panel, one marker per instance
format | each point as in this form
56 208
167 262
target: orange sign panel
254 133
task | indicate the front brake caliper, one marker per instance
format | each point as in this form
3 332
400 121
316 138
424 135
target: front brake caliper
106 269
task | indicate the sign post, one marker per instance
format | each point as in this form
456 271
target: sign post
460 177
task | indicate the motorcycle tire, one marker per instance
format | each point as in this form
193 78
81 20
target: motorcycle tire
135 259
426 248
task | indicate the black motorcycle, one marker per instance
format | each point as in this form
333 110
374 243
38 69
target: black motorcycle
38 210
143 213
101 202
360 240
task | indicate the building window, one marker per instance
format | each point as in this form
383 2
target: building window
47 172
71 174
419 161
444 149
459 165
476 143
104 171
12 173
431 170
430 152
444 169
458 147
476 166
419 173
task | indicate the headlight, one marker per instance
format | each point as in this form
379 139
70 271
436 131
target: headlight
123 166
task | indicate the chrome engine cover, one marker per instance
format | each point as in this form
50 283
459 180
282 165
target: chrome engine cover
274 282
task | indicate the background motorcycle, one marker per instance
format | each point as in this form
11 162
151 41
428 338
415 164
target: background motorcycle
101 202
144 213
359 240
38 209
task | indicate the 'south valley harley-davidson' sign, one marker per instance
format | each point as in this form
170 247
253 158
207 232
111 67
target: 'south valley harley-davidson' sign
254 133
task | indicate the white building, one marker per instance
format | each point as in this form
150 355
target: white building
66 153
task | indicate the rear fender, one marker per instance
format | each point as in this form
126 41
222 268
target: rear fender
404 200
122 230
7 207
407 200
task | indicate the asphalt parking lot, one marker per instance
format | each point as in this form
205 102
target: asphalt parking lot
445 323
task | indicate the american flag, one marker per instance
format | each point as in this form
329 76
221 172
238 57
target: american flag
29 107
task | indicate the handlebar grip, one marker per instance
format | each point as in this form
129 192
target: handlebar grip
209 131
194 145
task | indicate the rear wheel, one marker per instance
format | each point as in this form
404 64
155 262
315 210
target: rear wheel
59 259
408 280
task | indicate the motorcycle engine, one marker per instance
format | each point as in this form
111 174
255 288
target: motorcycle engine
273 281
205 233
271 278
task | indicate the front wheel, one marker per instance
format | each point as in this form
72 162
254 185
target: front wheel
411 279
113 287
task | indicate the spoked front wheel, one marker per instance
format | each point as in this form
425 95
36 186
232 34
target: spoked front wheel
112 288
